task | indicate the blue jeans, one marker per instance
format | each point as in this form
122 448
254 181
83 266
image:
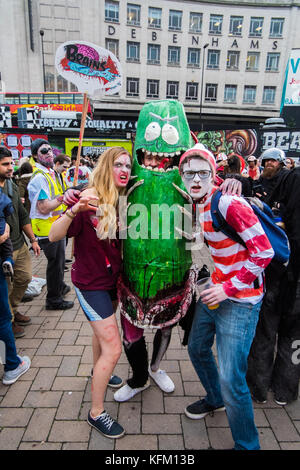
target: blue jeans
234 325
6 334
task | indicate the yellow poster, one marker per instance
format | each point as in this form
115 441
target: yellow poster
96 146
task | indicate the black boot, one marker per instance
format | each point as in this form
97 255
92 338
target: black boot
138 359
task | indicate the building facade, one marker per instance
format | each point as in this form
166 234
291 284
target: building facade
224 60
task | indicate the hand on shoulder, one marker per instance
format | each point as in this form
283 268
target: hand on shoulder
88 201
88 192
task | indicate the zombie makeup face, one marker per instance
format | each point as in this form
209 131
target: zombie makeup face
45 156
60 168
122 170
197 177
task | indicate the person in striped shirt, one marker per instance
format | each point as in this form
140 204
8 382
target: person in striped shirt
229 308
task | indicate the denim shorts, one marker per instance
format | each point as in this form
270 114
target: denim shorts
96 304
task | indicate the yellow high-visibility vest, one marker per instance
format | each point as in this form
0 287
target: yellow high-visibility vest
60 181
41 227
32 163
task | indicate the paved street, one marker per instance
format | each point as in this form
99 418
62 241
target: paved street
47 407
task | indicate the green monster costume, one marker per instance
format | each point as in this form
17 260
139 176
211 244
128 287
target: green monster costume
157 285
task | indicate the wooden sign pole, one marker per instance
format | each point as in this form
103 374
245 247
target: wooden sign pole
82 127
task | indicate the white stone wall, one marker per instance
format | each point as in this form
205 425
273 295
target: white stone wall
63 20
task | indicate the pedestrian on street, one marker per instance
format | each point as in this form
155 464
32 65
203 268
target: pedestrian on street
134 340
271 365
61 163
96 269
46 206
290 163
20 225
14 365
24 175
229 308
253 170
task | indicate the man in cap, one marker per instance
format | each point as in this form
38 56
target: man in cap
229 308
271 364
46 206
273 163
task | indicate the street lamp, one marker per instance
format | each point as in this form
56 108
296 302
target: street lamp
42 38
201 86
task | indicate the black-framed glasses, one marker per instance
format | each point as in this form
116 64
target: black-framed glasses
202 174
45 151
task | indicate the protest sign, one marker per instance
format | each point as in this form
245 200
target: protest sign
94 70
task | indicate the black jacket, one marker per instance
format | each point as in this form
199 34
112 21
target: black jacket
271 186
20 216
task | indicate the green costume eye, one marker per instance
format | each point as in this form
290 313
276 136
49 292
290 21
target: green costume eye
153 131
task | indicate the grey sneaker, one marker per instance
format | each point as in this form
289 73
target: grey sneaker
11 376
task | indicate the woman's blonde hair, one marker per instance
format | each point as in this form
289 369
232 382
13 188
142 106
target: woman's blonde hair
102 181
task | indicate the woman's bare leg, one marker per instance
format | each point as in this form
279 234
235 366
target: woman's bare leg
95 343
96 349
106 333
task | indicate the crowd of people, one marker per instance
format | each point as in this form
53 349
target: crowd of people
251 307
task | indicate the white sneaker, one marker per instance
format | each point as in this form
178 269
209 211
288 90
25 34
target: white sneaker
126 392
11 376
280 402
163 380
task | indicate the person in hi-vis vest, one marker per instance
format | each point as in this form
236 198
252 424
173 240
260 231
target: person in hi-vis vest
46 206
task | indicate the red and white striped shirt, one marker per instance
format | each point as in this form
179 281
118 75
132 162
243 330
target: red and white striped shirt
237 267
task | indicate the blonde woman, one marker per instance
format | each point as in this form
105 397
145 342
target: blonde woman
95 271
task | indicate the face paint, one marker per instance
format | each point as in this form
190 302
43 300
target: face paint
45 158
122 170
61 168
197 187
